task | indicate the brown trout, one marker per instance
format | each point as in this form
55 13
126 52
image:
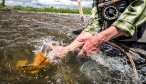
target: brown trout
39 62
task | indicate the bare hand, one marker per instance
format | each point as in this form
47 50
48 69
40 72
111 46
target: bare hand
91 46
58 51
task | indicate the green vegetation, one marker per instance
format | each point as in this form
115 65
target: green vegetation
1 7
76 11
61 10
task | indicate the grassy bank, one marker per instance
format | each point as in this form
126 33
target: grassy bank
75 11
1 7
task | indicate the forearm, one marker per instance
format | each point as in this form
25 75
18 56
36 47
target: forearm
110 33
76 44
106 35
92 45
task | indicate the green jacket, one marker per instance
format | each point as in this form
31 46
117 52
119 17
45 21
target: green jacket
133 17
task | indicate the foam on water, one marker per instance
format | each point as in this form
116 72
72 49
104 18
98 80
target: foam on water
44 41
114 63
110 64
43 45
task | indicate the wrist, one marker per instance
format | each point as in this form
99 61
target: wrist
100 38
69 48
110 33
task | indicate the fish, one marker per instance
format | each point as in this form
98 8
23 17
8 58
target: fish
39 62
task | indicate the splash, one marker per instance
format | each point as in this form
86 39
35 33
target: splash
109 65
43 57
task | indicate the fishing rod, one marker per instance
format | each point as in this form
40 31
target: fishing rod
80 10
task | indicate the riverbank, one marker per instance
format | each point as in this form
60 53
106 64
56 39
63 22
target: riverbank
55 10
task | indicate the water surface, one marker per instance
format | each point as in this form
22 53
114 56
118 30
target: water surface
23 33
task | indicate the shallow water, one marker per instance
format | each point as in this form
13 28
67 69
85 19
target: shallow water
23 34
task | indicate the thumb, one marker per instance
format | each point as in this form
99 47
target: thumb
81 54
51 47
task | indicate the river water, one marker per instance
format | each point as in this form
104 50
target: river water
22 34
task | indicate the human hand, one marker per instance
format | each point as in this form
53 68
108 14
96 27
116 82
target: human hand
91 45
57 51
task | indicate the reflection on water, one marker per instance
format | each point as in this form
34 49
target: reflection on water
23 34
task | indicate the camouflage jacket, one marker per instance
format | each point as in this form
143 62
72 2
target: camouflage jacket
128 21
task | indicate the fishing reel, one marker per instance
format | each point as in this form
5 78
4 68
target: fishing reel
110 13
111 10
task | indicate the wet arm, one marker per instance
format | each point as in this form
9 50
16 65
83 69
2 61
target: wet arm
108 34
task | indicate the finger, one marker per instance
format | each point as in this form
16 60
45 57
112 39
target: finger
51 47
53 57
82 40
93 51
82 53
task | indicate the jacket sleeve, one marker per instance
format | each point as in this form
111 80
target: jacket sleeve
128 19
93 24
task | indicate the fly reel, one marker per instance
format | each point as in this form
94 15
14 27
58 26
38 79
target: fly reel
110 13
111 10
